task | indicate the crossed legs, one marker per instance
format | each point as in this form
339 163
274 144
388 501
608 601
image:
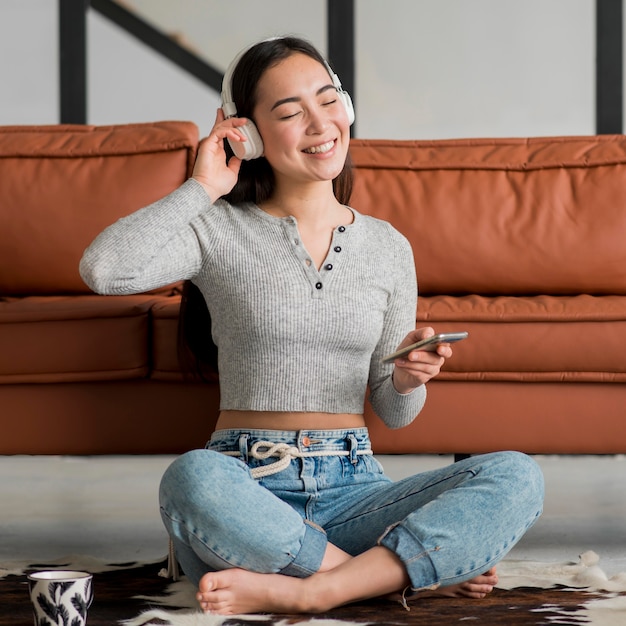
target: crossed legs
456 524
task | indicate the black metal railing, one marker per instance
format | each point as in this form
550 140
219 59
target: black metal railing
73 61
609 64
73 49
159 41
341 46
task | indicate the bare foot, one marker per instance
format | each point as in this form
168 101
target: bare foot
476 588
238 591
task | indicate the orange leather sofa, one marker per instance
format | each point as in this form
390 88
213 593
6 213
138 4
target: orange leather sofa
521 242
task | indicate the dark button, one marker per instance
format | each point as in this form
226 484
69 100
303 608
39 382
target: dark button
341 229
318 285
328 266
337 248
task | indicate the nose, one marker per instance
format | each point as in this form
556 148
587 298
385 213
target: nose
318 122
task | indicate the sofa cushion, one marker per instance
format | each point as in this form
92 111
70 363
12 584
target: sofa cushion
165 361
164 339
542 338
61 185
503 216
54 339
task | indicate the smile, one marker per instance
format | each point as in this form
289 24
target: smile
325 147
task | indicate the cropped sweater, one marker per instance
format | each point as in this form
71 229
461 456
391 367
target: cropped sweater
290 337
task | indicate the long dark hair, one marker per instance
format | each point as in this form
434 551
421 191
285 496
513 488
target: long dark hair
196 350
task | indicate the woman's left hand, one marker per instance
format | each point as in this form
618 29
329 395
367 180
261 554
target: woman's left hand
419 366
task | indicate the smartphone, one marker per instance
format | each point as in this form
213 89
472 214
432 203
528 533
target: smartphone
429 345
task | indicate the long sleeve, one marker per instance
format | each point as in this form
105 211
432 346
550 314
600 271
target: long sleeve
152 247
395 409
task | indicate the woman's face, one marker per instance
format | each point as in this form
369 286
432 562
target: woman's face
302 121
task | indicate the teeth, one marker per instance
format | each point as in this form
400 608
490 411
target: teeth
320 149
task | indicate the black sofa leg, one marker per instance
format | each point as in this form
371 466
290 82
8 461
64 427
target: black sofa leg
460 457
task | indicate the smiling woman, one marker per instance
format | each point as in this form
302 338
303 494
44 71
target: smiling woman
300 297
306 132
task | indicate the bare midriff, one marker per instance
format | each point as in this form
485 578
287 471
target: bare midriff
280 420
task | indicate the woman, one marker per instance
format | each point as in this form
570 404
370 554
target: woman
286 510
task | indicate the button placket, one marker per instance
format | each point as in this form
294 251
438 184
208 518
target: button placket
316 278
331 260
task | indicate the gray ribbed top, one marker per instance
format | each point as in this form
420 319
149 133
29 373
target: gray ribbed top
290 337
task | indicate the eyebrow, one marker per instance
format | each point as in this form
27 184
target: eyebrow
296 99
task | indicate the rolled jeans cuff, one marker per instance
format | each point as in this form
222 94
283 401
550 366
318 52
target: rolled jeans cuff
311 553
416 558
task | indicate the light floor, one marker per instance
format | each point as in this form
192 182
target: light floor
106 507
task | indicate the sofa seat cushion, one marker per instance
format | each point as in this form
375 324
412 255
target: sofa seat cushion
53 339
165 360
532 338
165 364
164 339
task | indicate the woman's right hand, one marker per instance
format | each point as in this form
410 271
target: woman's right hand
211 170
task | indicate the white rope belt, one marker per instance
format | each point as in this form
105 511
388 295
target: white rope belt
262 450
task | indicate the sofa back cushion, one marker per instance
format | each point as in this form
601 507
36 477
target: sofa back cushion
503 216
61 185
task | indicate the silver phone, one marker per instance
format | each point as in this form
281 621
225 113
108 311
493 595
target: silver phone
430 345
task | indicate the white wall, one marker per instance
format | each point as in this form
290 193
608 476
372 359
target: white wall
424 68
459 68
29 61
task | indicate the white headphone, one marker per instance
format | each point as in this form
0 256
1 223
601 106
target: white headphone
252 148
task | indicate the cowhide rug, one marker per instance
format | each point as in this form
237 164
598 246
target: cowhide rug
606 609
529 592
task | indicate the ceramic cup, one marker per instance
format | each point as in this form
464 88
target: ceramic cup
60 597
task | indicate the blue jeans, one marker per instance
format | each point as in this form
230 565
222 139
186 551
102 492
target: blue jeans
446 525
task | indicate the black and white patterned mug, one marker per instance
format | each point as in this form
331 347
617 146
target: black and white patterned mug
60 597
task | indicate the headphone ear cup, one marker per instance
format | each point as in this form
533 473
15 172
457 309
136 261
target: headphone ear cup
347 103
252 147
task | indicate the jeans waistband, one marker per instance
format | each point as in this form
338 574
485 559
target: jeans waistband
287 445
304 440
